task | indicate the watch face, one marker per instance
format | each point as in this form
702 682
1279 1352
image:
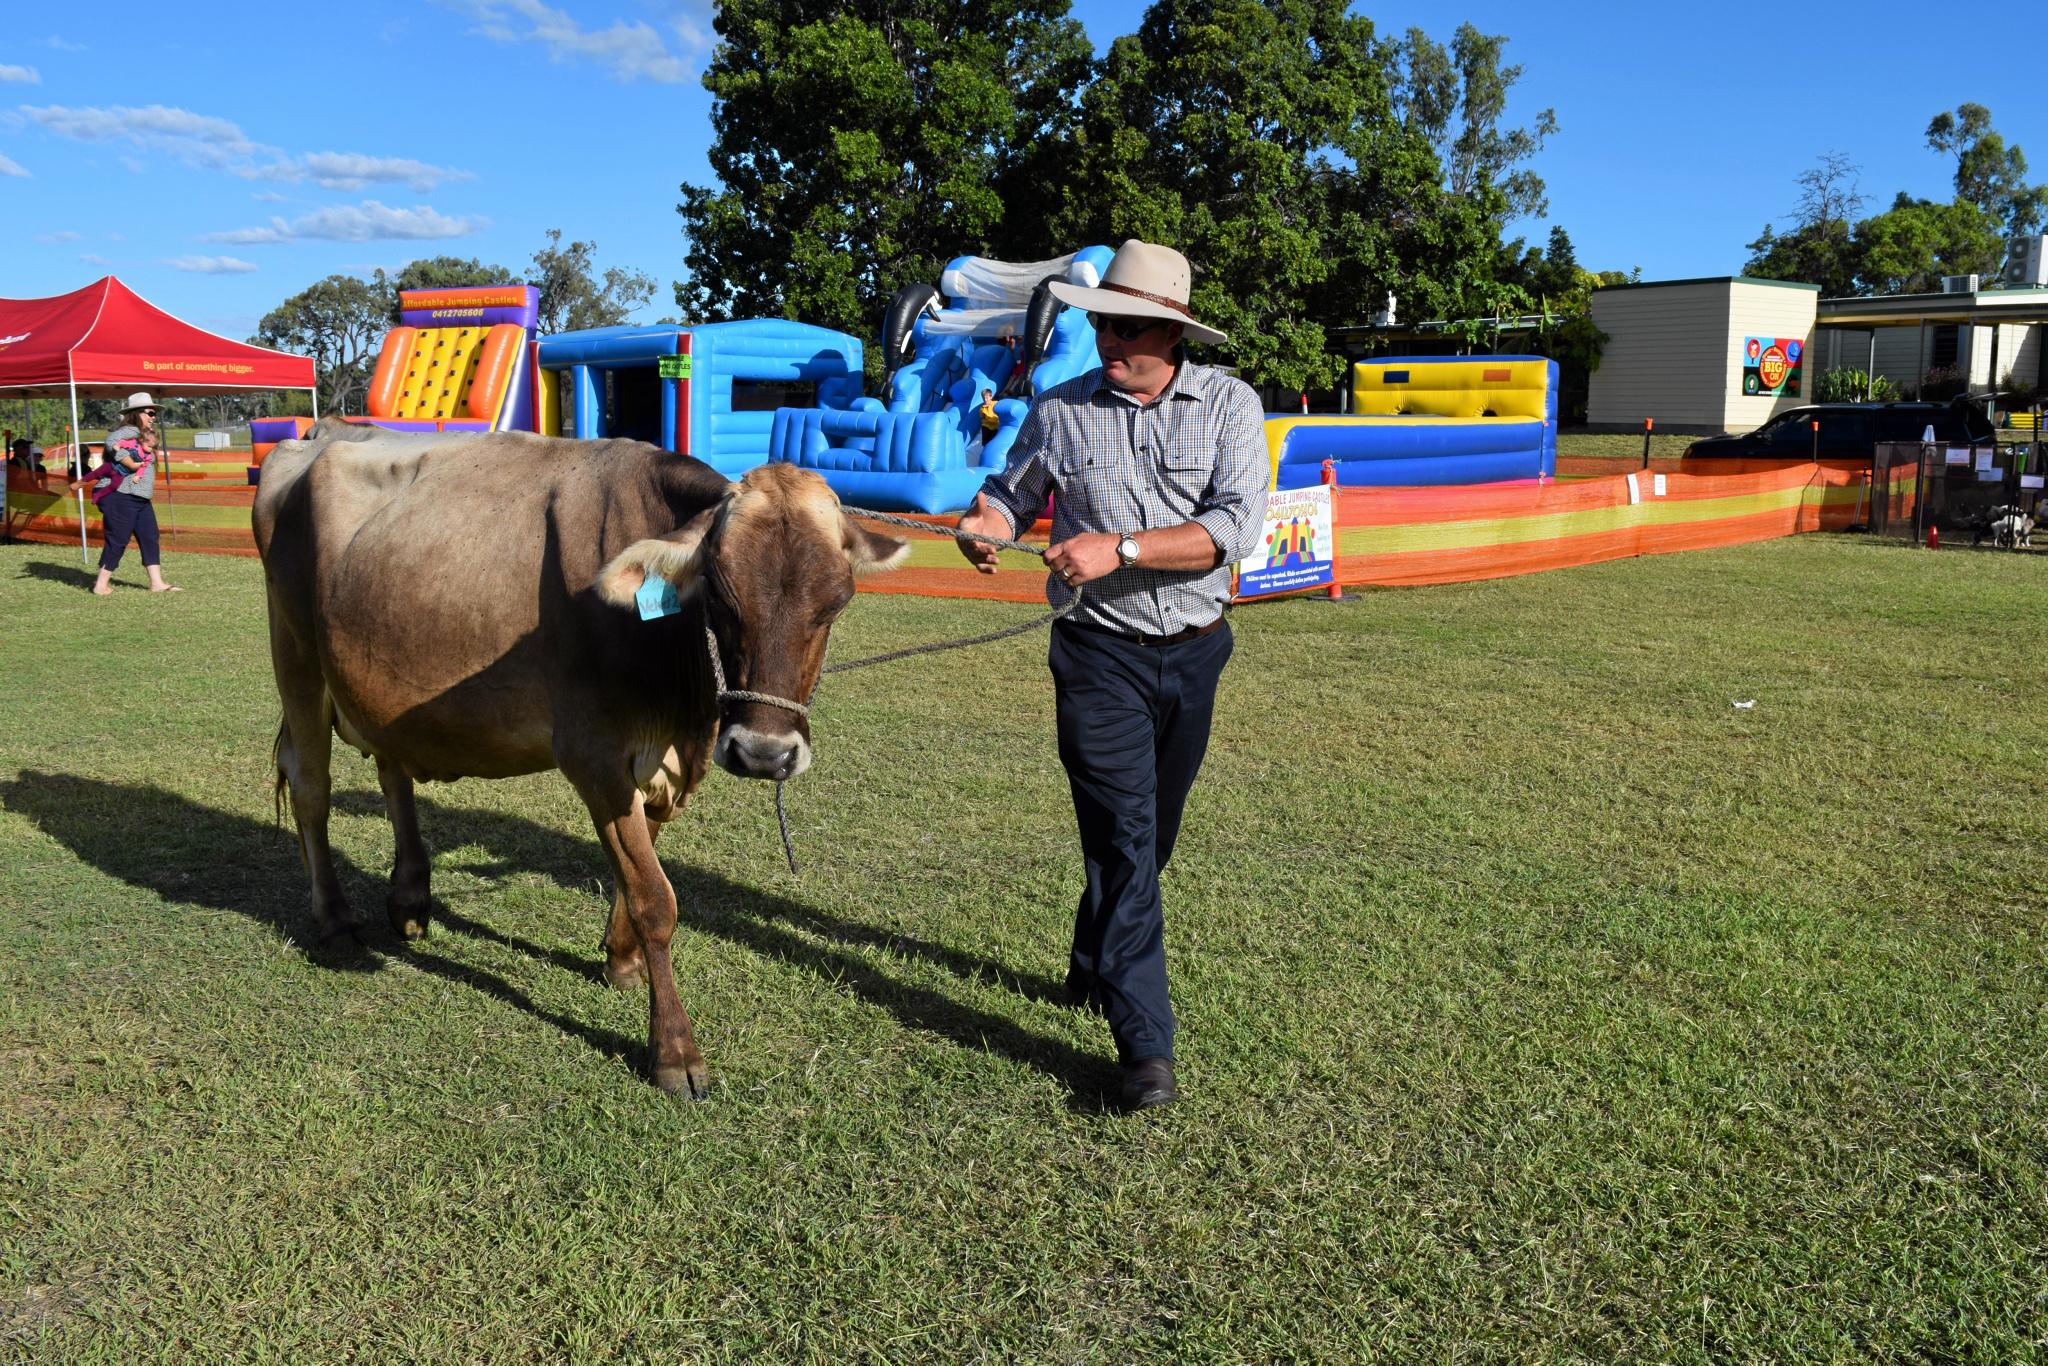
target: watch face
1127 550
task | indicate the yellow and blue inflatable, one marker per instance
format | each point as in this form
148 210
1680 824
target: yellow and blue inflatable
1428 420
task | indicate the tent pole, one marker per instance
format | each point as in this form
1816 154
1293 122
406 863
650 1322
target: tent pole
315 392
78 472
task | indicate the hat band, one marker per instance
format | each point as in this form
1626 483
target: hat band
1174 304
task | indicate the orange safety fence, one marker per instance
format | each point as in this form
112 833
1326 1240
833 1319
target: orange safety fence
1385 536
1454 534
1418 536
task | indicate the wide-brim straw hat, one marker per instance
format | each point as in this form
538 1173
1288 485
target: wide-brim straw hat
1144 280
141 400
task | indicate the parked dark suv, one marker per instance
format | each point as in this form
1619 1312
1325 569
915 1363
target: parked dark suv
1849 430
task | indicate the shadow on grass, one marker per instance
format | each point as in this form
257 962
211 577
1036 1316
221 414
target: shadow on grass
184 852
181 851
773 926
71 575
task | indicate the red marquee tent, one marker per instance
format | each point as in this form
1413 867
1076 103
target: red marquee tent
107 340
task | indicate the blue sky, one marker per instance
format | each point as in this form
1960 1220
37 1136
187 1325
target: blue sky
222 160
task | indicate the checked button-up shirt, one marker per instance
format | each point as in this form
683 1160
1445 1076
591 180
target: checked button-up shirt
1195 453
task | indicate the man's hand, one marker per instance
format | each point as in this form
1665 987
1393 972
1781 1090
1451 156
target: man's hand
985 519
1084 558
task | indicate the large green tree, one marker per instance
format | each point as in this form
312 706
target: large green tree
1308 169
1990 174
859 146
1217 127
1908 248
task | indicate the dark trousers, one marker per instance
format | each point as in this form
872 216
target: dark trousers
125 516
1133 726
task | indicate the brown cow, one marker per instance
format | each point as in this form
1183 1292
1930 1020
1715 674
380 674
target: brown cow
464 606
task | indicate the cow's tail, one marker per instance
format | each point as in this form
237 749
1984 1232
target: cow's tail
282 783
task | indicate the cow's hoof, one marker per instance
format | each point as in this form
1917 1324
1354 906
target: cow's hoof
408 920
688 1082
331 936
625 974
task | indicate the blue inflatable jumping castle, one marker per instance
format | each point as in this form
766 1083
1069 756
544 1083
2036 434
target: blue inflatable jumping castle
738 394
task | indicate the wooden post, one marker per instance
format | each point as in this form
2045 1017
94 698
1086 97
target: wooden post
1336 593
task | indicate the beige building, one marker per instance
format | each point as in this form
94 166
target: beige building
1987 335
1678 353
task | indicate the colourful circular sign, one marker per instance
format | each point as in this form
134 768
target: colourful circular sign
1752 346
1773 367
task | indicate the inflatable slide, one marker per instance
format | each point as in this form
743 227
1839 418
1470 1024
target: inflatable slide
990 336
457 361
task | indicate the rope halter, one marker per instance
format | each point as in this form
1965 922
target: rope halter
743 694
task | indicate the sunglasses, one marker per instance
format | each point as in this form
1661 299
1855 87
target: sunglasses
1123 329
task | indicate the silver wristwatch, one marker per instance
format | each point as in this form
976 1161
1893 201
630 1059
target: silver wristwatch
1127 550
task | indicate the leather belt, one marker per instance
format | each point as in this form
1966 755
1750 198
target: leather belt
1140 638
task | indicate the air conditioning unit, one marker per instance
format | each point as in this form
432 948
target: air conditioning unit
2026 262
1959 284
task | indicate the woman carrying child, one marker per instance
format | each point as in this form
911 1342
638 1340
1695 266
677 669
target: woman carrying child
128 510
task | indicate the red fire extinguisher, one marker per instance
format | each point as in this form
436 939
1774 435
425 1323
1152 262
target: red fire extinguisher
1934 538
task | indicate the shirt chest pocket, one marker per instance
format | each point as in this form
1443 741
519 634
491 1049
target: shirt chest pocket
1185 470
1096 486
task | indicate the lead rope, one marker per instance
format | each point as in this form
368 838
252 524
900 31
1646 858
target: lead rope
803 709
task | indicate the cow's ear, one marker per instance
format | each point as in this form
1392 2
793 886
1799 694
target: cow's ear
869 552
673 557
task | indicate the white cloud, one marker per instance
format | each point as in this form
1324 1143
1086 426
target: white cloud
93 260
267 197
357 171
209 265
64 44
369 221
631 51
19 75
65 235
218 144
9 166
196 139
690 21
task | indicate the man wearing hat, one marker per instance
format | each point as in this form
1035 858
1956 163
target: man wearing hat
1157 472
129 511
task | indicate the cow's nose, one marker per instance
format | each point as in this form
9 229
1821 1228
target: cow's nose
748 753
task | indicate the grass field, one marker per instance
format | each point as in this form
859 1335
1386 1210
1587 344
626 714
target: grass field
1537 1003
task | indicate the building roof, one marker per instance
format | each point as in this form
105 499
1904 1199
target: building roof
1709 280
1984 307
